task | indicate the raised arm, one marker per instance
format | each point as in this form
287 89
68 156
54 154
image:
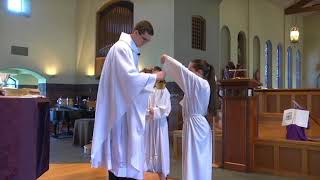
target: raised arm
182 75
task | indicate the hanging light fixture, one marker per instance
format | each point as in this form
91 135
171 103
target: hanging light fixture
294 31
294 34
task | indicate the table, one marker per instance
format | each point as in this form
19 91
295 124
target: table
24 133
83 131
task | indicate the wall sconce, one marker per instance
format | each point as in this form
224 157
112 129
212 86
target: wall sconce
140 67
51 71
90 72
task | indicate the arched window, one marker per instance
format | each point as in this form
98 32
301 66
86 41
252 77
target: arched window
242 56
318 81
198 33
268 65
19 7
298 70
256 58
111 21
12 83
279 67
225 49
289 54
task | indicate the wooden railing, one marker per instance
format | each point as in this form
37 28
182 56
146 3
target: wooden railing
277 100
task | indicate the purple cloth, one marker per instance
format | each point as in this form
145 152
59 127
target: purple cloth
297 133
24 138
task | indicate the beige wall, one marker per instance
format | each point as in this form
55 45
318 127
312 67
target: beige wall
49 35
183 12
26 79
311 53
260 18
236 21
61 34
266 26
159 13
289 22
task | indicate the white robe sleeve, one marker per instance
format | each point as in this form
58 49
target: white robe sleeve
185 79
163 108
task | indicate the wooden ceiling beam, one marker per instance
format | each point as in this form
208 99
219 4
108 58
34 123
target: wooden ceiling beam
299 4
303 10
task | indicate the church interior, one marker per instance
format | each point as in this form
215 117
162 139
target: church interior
56 49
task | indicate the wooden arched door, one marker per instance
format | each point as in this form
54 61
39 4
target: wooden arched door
112 19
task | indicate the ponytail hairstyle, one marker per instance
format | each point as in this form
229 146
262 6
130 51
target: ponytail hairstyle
210 75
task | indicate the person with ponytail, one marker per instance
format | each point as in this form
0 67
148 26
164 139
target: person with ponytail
195 82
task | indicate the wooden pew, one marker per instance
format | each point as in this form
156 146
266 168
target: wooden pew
272 151
273 102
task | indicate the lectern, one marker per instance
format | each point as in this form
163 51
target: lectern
239 122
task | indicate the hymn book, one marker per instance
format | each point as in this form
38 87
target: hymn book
295 116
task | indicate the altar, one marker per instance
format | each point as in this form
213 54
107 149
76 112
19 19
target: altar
24 133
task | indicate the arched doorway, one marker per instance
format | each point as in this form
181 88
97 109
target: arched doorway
112 19
225 48
25 78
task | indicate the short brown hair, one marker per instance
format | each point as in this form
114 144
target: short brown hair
144 26
157 68
146 70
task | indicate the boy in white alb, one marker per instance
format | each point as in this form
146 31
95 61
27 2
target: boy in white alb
156 133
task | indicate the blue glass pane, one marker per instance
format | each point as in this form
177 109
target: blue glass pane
268 66
279 67
289 68
298 69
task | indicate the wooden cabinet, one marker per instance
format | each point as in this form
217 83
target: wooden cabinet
98 66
